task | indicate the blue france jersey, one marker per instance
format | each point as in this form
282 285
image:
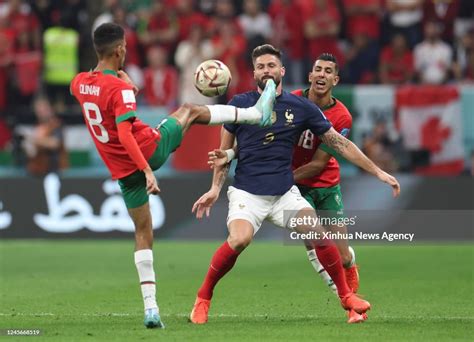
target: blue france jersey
265 154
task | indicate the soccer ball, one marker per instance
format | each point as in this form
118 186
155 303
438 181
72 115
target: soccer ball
212 78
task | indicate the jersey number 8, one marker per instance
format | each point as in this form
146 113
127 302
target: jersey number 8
95 121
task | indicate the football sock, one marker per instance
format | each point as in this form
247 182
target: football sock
144 263
330 258
229 114
221 263
313 259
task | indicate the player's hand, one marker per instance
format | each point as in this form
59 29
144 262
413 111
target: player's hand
217 158
390 180
151 183
205 202
124 77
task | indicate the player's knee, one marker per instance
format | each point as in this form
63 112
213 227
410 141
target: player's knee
239 242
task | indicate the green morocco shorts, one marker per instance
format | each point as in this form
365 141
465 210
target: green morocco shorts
133 186
326 201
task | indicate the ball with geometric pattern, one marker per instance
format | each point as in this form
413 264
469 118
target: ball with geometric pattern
212 78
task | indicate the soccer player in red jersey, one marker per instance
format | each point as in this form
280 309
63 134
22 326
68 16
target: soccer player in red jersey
131 149
316 171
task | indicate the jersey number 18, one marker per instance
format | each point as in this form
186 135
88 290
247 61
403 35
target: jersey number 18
306 140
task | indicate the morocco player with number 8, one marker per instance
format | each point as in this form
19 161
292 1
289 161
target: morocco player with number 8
131 149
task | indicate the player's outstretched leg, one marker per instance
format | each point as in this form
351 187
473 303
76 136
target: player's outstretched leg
260 113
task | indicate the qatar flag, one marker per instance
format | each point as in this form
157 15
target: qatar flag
429 118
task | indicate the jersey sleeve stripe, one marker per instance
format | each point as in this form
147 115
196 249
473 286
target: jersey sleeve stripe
125 116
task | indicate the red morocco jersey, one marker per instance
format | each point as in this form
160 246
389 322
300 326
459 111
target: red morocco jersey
308 143
106 101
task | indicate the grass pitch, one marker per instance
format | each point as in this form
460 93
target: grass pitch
88 290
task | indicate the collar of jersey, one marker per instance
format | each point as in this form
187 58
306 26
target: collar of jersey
306 93
109 72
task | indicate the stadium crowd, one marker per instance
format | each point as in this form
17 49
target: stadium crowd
44 43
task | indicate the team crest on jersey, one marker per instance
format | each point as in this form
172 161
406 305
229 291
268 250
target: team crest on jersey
289 118
241 206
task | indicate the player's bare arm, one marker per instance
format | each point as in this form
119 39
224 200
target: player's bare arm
351 152
314 167
206 201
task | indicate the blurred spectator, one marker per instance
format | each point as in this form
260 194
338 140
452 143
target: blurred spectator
322 23
160 26
361 61
396 62
7 38
363 17
23 21
61 60
107 15
444 12
230 47
465 18
47 12
379 147
189 18
433 57
189 54
27 71
464 63
224 12
405 17
288 36
257 25
75 14
133 60
46 143
161 79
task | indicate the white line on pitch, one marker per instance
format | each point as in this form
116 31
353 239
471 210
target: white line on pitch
223 315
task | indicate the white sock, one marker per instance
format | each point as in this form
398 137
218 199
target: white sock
230 114
313 259
146 274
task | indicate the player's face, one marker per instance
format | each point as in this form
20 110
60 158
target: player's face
266 67
323 77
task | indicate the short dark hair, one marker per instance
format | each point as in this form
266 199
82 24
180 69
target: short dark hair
265 49
106 36
329 57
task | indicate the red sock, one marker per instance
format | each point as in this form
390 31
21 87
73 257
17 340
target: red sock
221 263
330 258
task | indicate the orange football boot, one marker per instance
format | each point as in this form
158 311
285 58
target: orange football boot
200 311
353 302
354 317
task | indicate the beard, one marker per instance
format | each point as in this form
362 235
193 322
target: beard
261 82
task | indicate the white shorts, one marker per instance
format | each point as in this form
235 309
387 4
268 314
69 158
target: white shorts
256 208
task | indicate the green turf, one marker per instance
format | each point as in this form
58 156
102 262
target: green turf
87 290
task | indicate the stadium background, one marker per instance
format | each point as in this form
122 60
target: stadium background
412 115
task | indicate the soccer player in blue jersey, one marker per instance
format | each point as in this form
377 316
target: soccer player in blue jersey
264 185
